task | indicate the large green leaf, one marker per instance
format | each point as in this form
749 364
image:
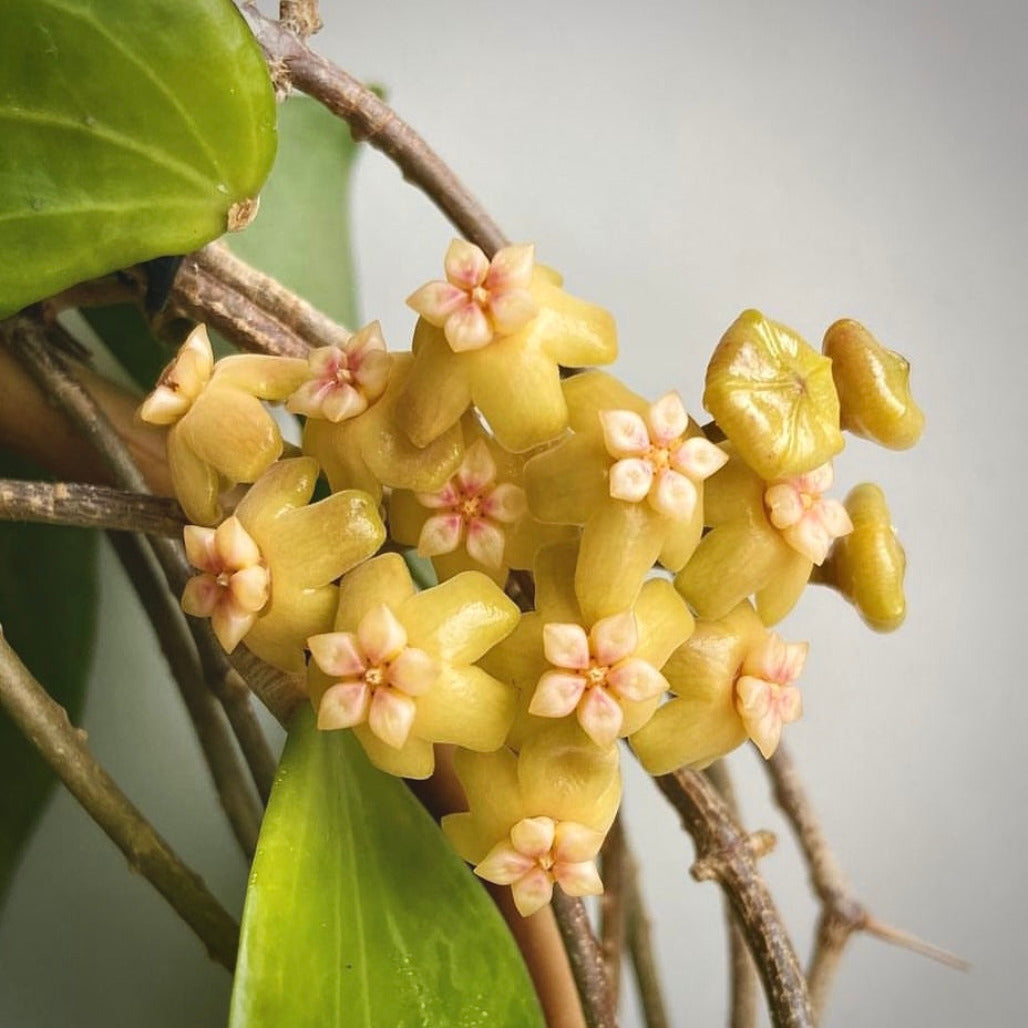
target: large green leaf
302 236
128 131
359 914
48 613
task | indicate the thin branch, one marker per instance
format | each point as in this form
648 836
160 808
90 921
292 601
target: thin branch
237 800
300 16
199 295
45 723
612 906
371 119
89 506
285 306
842 913
725 854
743 975
28 341
640 949
586 960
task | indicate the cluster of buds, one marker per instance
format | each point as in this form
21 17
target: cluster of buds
661 553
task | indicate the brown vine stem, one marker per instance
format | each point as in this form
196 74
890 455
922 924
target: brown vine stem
177 646
613 917
373 120
586 960
725 854
45 723
89 506
842 913
28 341
295 313
640 949
743 984
300 16
201 296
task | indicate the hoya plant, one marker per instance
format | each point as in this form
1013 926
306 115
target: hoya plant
470 572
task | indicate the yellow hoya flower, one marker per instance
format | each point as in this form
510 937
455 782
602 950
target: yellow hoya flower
632 475
603 673
537 818
367 450
774 398
266 572
867 566
399 666
766 538
479 520
495 335
220 433
732 679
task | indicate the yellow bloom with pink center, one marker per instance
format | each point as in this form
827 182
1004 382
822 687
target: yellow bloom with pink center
603 674
631 473
731 680
220 433
267 571
766 539
400 667
479 520
490 347
539 818
344 379
774 397
368 450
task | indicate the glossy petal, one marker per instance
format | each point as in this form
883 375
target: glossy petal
485 542
465 264
230 624
337 654
200 548
674 495
601 716
436 301
668 419
533 836
512 310
250 588
506 503
532 892
381 635
234 545
201 596
636 680
391 716
511 267
435 393
477 469
698 458
344 705
195 482
624 433
631 479
614 638
466 707
467 328
440 534
566 484
414 671
578 879
415 759
383 579
504 865
566 646
574 843
557 694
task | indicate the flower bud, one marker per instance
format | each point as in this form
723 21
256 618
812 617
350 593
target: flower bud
773 397
874 387
867 566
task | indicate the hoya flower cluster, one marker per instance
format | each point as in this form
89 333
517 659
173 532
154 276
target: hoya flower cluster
650 556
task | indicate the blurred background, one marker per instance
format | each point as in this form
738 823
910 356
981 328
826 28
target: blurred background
678 163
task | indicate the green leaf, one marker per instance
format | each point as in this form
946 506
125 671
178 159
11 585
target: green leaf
129 130
358 912
48 598
302 236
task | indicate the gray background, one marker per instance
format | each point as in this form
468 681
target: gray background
679 163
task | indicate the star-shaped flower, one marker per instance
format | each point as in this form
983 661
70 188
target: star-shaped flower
731 679
514 378
345 379
632 475
400 667
479 520
220 433
537 818
601 674
480 299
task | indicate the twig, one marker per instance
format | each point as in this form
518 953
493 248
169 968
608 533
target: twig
45 723
842 913
370 118
89 506
613 907
640 949
29 344
586 960
199 295
725 854
289 309
743 975
300 16
169 625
